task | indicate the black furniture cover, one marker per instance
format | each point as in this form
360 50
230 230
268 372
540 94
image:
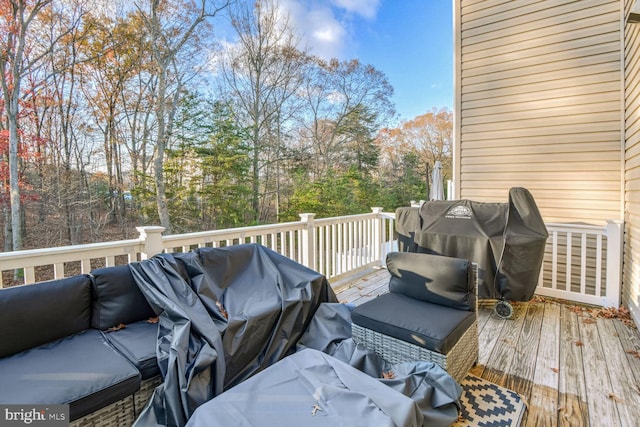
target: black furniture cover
506 240
226 314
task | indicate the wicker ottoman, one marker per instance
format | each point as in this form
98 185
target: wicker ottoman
457 362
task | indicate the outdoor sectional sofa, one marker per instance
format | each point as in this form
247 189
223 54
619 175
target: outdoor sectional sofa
153 341
62 342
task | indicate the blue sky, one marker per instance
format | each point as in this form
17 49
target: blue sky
411 41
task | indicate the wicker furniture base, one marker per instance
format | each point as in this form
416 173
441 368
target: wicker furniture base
460 359
122 413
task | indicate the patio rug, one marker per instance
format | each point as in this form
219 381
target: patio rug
487 404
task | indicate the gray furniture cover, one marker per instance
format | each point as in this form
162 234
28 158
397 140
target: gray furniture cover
506 240
226 314
432 389
341 381
309 388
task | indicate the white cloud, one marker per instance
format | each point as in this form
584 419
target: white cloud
365 8
324 26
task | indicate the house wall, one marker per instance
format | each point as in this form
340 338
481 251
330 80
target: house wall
538 104
631 260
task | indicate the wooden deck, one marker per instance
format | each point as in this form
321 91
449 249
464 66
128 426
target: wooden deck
571 368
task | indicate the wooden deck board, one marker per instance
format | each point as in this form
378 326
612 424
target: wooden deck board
538 354
499 363
543 400
572 407
624 394
630 342
523 366
597 383
487 339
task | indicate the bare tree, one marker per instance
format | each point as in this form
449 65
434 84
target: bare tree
432 135
21 51
262 73
172 27
337 93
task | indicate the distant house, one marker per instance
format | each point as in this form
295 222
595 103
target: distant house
547 97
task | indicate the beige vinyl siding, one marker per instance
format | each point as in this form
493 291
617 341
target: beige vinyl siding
631 260
539 105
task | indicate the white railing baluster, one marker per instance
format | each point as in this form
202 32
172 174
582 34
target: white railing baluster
320 251
29 275
615 231
58 270
327 250
340 253
334 250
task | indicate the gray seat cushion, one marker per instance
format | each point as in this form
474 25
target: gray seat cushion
431 326
433 278
82 370
137 342
32 315
117 299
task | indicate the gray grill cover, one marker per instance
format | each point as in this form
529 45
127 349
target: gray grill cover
506 240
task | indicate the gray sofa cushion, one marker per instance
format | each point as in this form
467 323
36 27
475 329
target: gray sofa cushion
82 370
431 326
117 299
137 342
433 278
36 314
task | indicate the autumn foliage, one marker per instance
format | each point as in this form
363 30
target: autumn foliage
142 116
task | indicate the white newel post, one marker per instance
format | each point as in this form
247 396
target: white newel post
378 223
308 240
152 238
615 230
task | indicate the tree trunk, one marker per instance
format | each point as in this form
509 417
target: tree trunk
14 177
161 193
7 229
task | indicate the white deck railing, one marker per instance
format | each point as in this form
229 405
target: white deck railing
342 245
331 246
593 273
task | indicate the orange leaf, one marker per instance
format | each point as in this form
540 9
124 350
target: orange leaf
153 319
634 353
556 370
222 310
615 398
389 375
117 328
579 343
